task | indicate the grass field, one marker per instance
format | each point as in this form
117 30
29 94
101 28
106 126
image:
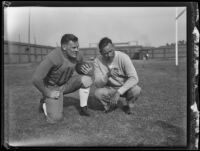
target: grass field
159 119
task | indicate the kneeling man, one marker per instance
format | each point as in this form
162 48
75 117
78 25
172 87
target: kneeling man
54 77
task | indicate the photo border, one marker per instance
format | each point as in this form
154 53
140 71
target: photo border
192 78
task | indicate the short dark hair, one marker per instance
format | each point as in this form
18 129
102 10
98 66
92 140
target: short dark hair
68 37
104 42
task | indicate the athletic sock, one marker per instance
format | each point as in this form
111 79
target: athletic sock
84 94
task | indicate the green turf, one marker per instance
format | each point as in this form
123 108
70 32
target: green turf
159 117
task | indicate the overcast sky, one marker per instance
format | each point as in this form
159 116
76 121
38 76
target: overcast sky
150 26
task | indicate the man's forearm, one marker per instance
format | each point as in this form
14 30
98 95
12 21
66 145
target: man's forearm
40 86
132 81
40 73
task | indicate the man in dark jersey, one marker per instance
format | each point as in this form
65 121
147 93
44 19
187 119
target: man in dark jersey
55 77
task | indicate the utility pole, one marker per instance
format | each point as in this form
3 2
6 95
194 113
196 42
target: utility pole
176 47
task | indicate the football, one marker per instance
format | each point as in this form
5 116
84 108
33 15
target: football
79 65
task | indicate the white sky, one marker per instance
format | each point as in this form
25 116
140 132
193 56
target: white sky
150 26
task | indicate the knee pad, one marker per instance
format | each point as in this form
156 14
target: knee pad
86 81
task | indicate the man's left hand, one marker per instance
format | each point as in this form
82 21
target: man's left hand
114 98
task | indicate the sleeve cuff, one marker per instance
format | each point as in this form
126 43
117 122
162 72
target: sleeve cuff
121 91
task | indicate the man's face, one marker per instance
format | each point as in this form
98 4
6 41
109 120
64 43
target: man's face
108 52
70 49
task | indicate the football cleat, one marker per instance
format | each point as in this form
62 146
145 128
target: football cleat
84 111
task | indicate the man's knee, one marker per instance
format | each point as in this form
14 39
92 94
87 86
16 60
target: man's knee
86 81
134 92
100 92
54 110
55 118
137 91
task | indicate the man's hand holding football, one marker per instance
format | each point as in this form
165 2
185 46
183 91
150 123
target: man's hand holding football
86 68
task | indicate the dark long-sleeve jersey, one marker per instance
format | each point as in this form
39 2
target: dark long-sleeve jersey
56 69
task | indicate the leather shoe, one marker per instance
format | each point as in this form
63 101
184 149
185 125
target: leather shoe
127 109
84 111
107 109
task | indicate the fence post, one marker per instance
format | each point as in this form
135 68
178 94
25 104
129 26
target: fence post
35 54
41 54
29 53
164 53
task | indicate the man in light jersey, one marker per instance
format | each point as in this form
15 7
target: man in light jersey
115 76
55 77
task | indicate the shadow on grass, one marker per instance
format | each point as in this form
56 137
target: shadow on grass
175 135
93 103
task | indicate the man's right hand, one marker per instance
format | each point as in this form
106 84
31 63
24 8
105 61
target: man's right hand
106 98
86 69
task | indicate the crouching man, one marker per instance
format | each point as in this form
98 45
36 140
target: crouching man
115 77
55 77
